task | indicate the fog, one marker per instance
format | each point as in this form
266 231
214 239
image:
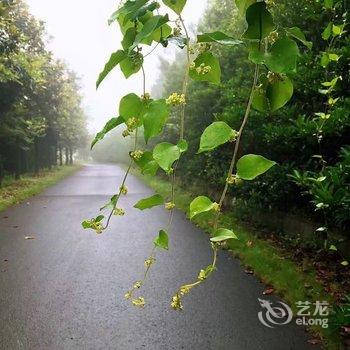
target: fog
82 38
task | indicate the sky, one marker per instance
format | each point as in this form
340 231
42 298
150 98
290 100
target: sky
82 38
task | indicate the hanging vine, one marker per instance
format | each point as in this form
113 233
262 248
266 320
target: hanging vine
273 53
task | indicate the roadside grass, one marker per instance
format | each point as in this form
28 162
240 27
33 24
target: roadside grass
15 191
267 261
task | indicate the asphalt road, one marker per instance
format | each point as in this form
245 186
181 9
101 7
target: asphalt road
64 289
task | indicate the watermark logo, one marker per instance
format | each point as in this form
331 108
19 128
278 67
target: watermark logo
274 315
308 314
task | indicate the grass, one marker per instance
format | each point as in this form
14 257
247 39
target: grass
15 191
269 262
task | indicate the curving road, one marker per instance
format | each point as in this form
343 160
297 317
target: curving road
64 289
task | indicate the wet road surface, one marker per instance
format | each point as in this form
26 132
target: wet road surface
64 289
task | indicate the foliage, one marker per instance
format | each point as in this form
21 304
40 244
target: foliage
40 106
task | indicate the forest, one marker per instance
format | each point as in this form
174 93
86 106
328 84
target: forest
42 121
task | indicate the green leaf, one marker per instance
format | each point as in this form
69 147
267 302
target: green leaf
215 135
344 263
218 37
155 118
260 101
183 146
131 64
162 241
283 56
297 33
260 22
149 202
147 164
113 61
200 205
279 93
324 60
326 34
110 125
161 33
333 248
128 8
165 154
251 165
99 218
242 5
328 4
149 28
86 224
176 5
129 38
207 59
130 106
222 234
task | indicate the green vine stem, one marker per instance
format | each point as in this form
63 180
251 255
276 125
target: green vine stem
204 274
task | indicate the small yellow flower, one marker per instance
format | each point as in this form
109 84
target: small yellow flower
136 155
176 99
123 190
119 212
150 261
146 96
169 206
126 133
139 302
202 275
216 207
137 285
184 290
176 302
128 295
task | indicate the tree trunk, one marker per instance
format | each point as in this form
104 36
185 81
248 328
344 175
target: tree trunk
70 156
60 155
67 156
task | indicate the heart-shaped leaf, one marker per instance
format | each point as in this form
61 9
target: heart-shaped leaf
165 154
130 106
200 205
147 164
162 241
222 234
157 113
215 135
279 93
207 68
251 166
149 202
282 57
260 22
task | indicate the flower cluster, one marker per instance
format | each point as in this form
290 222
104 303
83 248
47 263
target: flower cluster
123 190
139 302
169 206
202 69
136 155
176 99
273 36
119 212
234 180
176 302
149 262
146 96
